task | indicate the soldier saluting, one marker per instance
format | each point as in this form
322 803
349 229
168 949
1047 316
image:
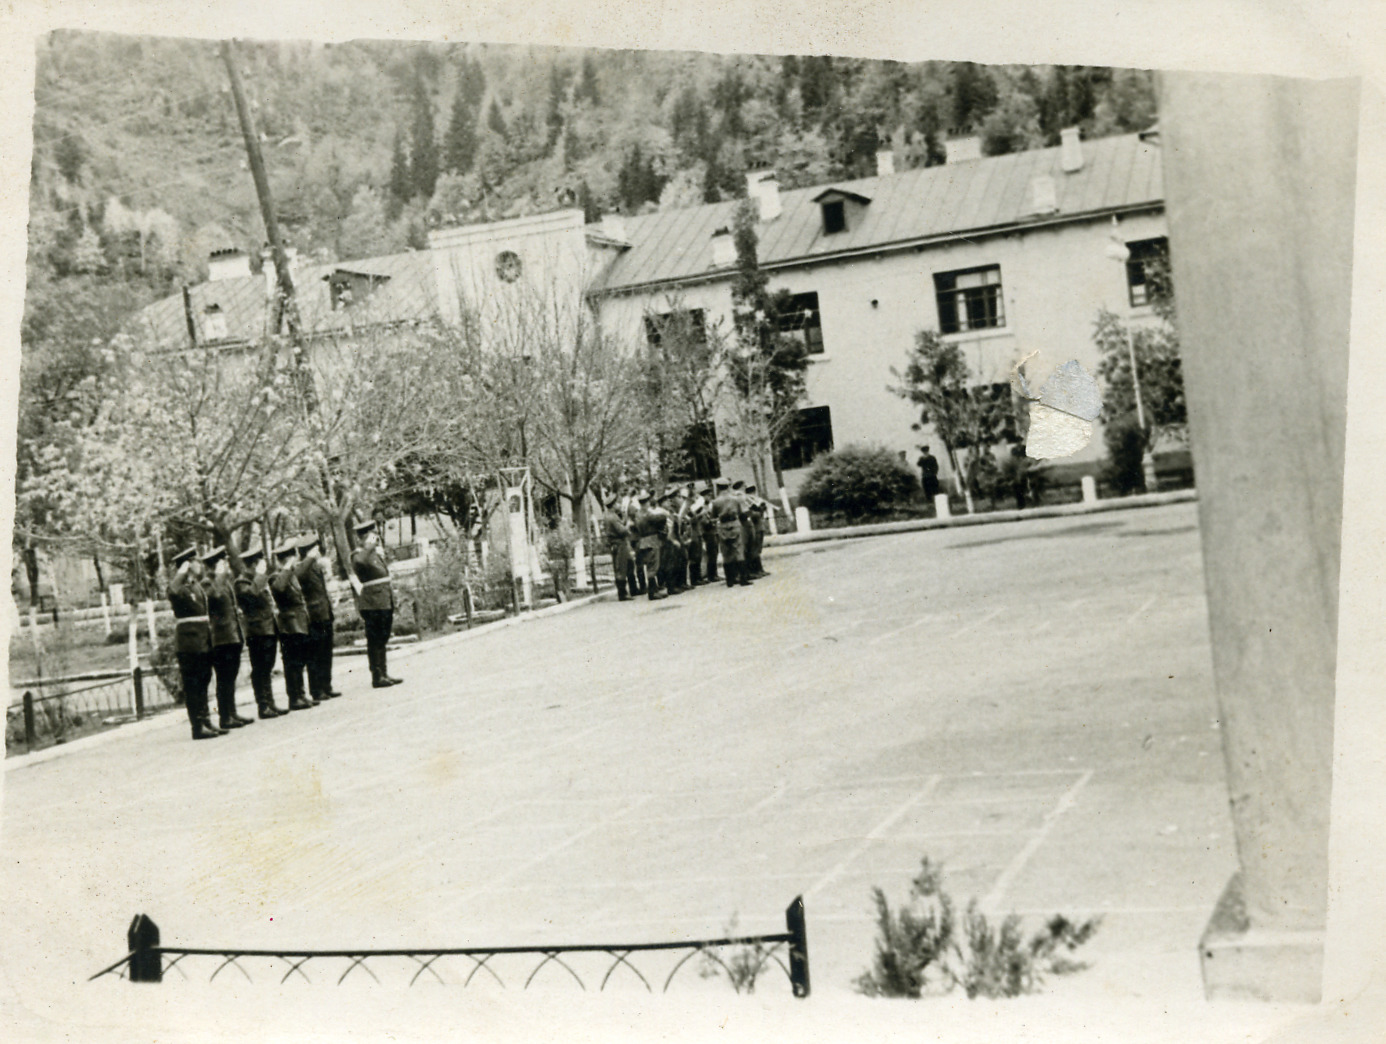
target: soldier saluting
375 600
192 640
312 578
256 600
293 624
227 637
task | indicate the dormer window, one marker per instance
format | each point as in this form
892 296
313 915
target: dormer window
214 323
834 217
348 287
841 209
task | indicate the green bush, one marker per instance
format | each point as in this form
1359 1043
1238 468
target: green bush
435 592
857 481
925 947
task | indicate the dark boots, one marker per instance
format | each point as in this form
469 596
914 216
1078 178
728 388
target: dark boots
203 728
622 594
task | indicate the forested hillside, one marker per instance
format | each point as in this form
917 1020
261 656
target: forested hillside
139 169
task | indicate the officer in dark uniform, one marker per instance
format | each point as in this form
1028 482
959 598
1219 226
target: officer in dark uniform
928 473
312 578
293 624
728 511
192 640
709 534
650 524
227 637
256 601
617 535
375 600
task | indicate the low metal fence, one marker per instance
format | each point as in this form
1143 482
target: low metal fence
740 958
56 716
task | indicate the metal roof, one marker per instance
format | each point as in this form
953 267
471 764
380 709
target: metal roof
408 290
972 196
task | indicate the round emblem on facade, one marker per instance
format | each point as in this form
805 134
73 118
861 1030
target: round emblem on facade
508 265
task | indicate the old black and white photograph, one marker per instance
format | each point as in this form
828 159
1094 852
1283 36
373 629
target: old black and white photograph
616 522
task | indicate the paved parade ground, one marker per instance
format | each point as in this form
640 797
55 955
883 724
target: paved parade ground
1029 703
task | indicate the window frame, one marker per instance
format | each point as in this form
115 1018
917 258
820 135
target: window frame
1141 251
800 449
952 302
809 319
837 208
654 321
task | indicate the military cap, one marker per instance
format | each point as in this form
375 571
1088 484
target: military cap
252 556
185 555
643 496
751 488
739 484
365 527
720 483
211 557
309 541
704 490
284 550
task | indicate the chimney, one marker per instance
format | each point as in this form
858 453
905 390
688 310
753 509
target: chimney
613 226
228 263
763 187
1070 150
723 247
959 150
885 163
1044 197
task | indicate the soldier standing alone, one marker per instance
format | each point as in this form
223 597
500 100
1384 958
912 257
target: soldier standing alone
375 599
728 510
312 578
261 636
192 640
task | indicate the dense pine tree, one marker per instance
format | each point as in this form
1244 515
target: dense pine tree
423 153
459 142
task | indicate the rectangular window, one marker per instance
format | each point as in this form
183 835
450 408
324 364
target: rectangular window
800 318
1145 268
690 323
812 435
834 217
696 458
969 299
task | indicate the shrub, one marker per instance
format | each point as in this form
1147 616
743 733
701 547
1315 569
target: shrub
1125 450
436 590
858 481
557 546
924 947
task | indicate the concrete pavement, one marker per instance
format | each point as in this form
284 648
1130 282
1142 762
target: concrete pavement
1030 704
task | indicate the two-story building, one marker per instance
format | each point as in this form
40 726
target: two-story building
1002 255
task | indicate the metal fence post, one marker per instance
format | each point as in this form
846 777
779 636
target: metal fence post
798 949
146 962
30 738
137 678
592 568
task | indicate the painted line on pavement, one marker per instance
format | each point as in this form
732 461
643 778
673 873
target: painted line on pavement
876 834
978 623
545 856
1141 611
1016 865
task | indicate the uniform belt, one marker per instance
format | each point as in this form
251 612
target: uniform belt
377 580
192 619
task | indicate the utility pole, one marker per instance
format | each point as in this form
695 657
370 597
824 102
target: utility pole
286 303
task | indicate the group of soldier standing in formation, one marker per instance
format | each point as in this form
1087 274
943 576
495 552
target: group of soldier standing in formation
667 544
274 604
